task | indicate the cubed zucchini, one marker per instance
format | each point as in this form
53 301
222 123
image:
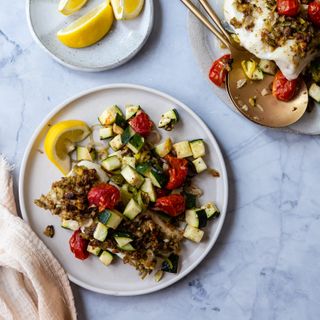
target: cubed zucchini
200 165
111 163
106 258
132 176
141 199
169 119
182 149
128 161
116 153
132 209
131 110
170 264
93 250
125 194
110 218
268 66
85 153
128 133
136 143
127 247
257 74
120 121
101 231
158 178
191 200
164 148
122 241
196 218
117 178
116 143
314 92
193 234
70 224
143 168
116 129
212 210
105 133
198 148
109 115
148 188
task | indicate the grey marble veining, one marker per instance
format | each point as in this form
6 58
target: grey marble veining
266 264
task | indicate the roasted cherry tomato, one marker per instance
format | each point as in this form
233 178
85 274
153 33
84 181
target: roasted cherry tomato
173 205
104 196
282 88
220 69
78 246
141 124
288 8
177 172
314 12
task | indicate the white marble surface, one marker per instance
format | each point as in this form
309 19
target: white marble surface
266 264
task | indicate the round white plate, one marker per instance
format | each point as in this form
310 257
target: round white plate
207 49
122 43
37 173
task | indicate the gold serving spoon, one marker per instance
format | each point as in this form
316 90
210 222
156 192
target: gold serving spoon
254 99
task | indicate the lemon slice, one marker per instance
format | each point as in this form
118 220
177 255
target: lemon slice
126 9
88 29
68 7
60 140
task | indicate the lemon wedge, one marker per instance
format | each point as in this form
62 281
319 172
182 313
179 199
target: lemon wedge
88 29
68 7
127 9
60 141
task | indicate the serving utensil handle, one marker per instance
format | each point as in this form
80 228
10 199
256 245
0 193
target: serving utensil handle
208 8
206 22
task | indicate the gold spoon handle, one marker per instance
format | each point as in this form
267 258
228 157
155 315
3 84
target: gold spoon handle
208 8
205 21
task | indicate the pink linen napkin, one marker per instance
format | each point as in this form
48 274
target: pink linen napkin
32 283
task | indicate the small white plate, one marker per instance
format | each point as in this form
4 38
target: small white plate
121 44
37 174
207 49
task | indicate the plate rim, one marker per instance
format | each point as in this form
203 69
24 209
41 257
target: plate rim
213 140
116 64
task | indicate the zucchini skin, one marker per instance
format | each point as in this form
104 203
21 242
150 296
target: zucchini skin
104 216
170 264
191 200
120 121
202 216
143 168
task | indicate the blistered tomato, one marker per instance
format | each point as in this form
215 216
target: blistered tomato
104 196
173 205
177 172
220 69
288 8
314 12
282 88
78 246
141 124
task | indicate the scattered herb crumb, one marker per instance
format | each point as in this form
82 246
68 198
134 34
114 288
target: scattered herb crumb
49 231
215 173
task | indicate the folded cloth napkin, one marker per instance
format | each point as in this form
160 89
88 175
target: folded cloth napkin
32 283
